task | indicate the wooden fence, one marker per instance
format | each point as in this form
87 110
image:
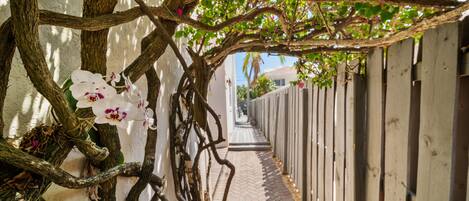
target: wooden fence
398 133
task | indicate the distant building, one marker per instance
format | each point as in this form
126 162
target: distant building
281 76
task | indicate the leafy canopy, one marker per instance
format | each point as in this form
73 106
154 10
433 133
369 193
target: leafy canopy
298 20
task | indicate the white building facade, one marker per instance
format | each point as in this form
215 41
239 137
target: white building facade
281 76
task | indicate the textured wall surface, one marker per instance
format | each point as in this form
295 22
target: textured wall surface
25 108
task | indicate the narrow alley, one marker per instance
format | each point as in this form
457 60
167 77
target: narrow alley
257 177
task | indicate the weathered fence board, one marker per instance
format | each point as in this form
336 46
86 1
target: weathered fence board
375 125
321 135
353 134
290 129
439 85
397 120
299 141
286 129
314 151
339 144
329 143
309 142
277 125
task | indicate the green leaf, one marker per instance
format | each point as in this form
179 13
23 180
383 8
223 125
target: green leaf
72 103
120 158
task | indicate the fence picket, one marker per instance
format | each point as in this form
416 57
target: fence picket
354 124
329 143
286 129
438 103
375 127
309 142
397 120
315 148
339 147
321 151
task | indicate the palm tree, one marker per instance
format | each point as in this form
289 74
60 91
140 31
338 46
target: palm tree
251 68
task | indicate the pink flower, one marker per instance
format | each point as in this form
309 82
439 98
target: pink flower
115 111
301 84
34 144
180 12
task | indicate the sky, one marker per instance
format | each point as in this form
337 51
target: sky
270 62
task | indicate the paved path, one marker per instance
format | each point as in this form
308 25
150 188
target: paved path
245 134
257 177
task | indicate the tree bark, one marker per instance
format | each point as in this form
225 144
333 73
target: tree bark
94 43
25 18
7 50
202 77
94 46
28 162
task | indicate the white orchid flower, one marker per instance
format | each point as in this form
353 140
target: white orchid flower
114 78
83 76
115 111
148 121
129 86
137 99
134 95
89 89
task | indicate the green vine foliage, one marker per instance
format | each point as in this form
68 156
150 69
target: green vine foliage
263 85
306 20
321 68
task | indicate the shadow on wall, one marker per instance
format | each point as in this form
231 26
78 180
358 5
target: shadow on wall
25 108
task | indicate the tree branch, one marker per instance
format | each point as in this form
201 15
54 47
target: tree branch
153 85
429 3
20 159
94 45
25 18
283 50
118 18
7 50
335 45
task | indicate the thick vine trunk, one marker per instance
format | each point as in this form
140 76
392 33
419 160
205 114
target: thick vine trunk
202 77
94 46
55 154
94 43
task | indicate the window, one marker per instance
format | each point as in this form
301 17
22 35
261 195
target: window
280 82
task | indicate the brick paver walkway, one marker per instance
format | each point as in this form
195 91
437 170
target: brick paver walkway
257 177
244 133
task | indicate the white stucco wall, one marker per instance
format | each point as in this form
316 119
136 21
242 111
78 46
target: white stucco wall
230 65
25 108
220 98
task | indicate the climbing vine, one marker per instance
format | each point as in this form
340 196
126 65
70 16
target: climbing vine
321 33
